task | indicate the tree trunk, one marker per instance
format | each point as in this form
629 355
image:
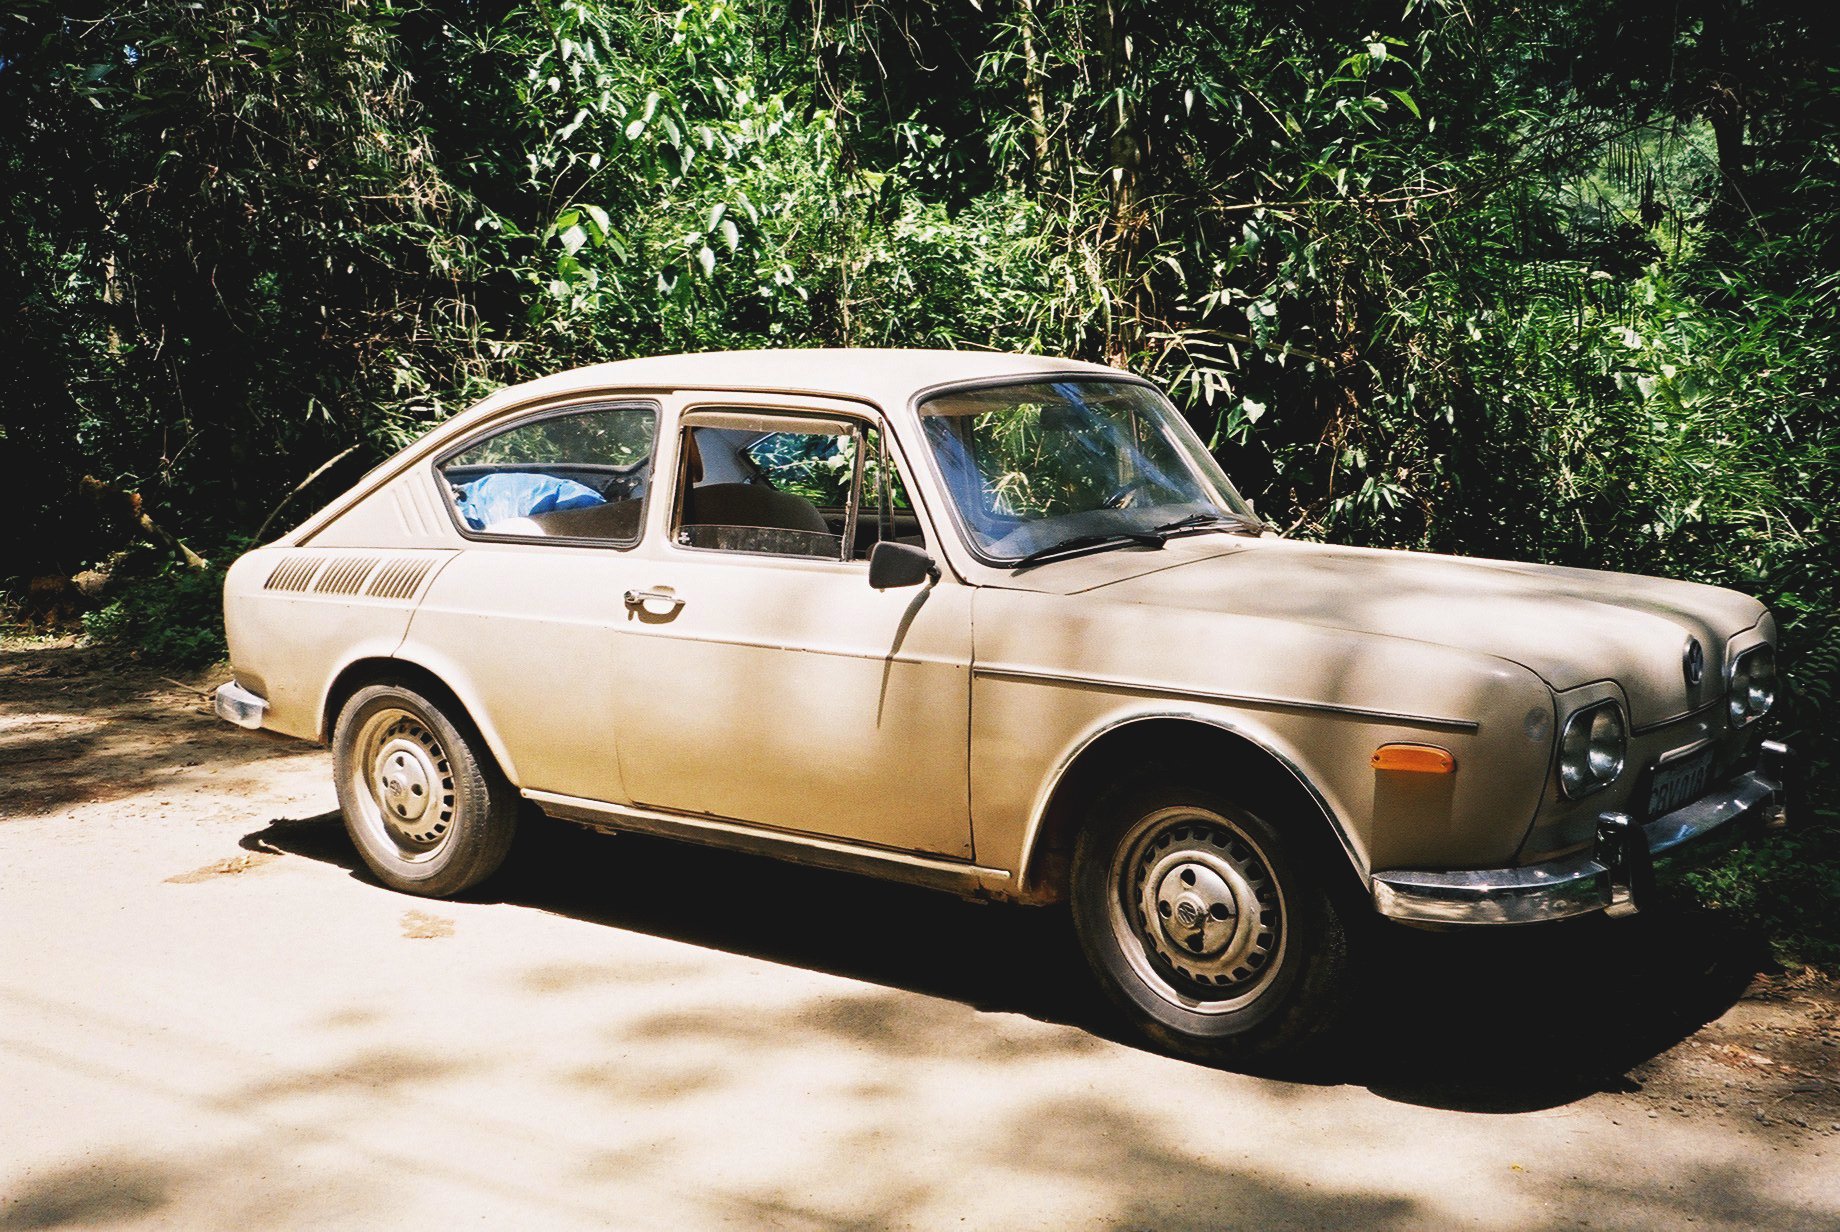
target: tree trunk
1724 109
1124 159
1033 87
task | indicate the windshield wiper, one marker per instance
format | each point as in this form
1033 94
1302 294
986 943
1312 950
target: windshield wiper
1199 521
1076 544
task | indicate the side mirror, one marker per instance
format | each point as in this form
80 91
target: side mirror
893 565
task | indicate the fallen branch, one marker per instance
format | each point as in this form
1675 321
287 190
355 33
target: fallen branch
128 504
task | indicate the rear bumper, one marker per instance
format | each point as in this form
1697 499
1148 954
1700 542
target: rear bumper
235 704
1617 871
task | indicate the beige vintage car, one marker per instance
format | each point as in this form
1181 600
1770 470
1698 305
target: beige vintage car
998 625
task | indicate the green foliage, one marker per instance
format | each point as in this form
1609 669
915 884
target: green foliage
1787 887
175 616
819 466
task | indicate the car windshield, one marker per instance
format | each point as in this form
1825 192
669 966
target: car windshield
1036 465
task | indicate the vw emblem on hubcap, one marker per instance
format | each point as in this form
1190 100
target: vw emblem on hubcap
1693 662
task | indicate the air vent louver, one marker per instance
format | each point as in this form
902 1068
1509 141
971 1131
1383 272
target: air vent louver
399 578
293 573
344 575
393 578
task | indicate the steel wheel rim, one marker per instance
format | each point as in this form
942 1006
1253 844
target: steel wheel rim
1196 910
403 782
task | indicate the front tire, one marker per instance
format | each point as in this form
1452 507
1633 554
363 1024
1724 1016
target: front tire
424 803
1206 924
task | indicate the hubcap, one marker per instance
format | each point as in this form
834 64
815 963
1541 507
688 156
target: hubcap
1197 910
406 784
1196 904
403 772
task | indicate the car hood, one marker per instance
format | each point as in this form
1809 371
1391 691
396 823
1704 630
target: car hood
1570 626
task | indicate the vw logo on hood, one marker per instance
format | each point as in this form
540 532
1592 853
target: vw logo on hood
1693 662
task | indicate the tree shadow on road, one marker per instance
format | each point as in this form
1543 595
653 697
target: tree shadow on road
1494 1021
81 726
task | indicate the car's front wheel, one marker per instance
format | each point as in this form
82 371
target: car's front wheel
1205 923
424 803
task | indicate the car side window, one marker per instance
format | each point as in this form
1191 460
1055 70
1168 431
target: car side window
791 486
580 475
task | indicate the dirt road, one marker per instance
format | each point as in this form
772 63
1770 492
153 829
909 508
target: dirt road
210 1019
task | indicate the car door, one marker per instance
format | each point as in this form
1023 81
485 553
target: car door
768 682
552 505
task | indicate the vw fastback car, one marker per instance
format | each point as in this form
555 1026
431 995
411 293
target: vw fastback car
998 625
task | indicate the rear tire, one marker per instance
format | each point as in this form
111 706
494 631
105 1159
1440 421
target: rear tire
424 803
1206 923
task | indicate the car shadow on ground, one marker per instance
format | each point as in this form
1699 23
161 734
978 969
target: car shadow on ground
1494 1021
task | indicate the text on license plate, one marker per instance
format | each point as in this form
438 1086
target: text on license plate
1676 785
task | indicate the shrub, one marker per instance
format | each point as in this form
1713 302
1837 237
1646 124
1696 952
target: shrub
173 616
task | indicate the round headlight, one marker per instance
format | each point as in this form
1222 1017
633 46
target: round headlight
1761 681
1753 685
1575 758
1591 749
1606 756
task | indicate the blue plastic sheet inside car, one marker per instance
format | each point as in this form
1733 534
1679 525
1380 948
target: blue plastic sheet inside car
498 498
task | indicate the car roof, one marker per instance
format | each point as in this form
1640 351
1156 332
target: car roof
885 377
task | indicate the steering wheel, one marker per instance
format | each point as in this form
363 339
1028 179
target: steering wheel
1121 496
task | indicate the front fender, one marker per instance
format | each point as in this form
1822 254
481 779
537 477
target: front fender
1053 673
1262 743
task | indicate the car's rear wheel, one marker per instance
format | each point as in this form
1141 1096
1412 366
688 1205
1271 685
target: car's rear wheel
1206 924
424 803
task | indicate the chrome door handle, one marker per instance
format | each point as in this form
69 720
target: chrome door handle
639 598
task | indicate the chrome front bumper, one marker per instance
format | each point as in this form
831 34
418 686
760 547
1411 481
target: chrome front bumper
238 705
1617 871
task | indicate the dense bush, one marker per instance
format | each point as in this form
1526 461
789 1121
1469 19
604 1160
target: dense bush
171 616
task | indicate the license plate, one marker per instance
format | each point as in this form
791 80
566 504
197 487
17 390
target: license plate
1679 784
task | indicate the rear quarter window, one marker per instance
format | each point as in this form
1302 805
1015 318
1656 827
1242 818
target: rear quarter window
578 475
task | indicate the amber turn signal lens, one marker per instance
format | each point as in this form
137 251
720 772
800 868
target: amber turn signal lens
1417 758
